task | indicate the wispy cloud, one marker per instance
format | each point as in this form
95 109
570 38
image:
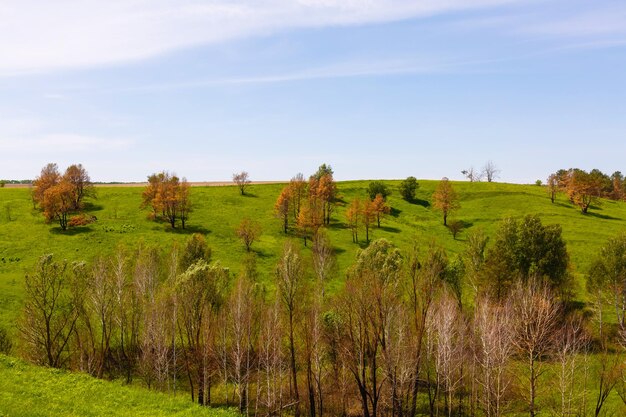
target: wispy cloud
40 35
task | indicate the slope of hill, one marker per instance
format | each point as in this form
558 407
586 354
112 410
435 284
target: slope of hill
24 235
28 390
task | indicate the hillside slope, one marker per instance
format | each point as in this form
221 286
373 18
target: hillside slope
28 390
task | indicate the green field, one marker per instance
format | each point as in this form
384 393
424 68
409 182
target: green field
28 390
25 236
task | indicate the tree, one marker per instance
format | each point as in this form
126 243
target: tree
490 171
77 176
310 219
49 177
242 180
408 187
380 207
455 227
378 187
58 203
619 187
552 186
584 189
169 197
323 169
195 249
282 207
297 192
472 175
289 276
50 313
536 319
445 199
184 202
353 215
248 231
368 217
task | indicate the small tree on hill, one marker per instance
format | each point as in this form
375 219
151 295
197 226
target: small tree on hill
380 207
490 171
408 187
455 227
378 187
282 207
368 217
58 203
353 215
242 180
49 177
248 231
78 177
445 199
552 186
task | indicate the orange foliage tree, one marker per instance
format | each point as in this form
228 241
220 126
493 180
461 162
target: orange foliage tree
380 207
168 195
58 203
445 199
353 215
49 177
282 207
78 177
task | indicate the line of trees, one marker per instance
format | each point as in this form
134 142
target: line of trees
585 189
60 196
400 339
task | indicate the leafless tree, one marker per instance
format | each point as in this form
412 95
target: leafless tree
571 341
241 180
472 175
490 171
536 319
323 259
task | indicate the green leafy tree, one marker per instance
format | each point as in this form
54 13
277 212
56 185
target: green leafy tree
408 187
378 187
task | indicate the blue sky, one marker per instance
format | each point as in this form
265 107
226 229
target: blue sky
376 88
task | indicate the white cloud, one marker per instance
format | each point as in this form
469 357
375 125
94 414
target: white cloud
43 35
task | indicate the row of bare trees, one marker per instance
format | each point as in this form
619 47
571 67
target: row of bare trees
400 339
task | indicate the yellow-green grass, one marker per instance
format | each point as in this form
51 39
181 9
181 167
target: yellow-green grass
33 391
218 211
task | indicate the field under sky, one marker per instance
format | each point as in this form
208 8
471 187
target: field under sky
376 88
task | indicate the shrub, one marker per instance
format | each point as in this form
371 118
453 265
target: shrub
5 341
378 187
81 220
408 187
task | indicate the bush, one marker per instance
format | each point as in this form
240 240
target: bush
378 187
455 227
81 220
408 187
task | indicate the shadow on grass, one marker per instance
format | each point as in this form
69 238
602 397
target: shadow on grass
89 206
395 212
420 202
390 229
72 231
335 225
188 230
249 195
601 216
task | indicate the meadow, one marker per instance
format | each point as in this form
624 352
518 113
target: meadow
218 210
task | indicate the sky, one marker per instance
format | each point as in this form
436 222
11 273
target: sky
375 88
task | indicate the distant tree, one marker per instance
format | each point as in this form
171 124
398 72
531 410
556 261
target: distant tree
184 202
378 187
472 175
408 188
322 195
585 189
248 231
282 207
242 180
309 220
49 177
353 215
323 170
195 249
380 207
552 186
169 197
368 217
538 183
490 171
445 199
58 203
619 188
455 227
297 191
78 177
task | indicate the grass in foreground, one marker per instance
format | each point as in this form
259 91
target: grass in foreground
28 390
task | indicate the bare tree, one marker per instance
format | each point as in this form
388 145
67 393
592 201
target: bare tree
490 171
248 231
241 180
536 319
571 341
323 259
472 175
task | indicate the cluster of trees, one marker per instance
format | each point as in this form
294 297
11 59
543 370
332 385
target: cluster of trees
169 198
61 195
584 189
307 206
365 213
399 339
489 172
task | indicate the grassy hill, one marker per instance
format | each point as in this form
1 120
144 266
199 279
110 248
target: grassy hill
24 235
28 390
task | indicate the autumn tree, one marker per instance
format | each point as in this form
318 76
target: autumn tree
619 187
241 180
169 197
380 207
248 231
552 186
353 216
408 187
184 201
368 216
77 176
58 203
297 192
584 189
310 219
282 207
445 199
490 171
49 315
49 177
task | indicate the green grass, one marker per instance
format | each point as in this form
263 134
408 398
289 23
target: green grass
218 211
28 390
